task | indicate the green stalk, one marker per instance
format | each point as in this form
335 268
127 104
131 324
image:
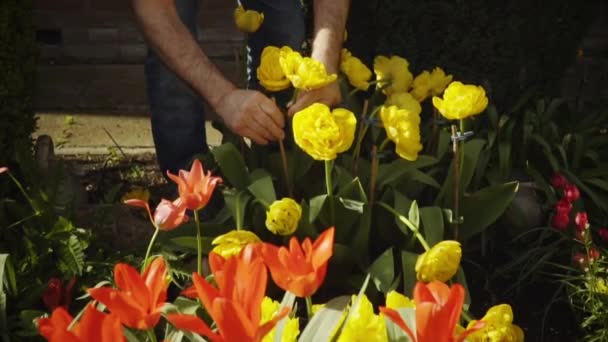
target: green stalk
408 223
199 244
329 186
156 230
309 307
27 197
151 335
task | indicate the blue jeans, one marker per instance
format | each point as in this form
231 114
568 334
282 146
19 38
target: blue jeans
177 117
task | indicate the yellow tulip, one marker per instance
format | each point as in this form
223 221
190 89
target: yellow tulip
403 128
283 216
461 101
247 21
439 81
291 330
358 74
363 324
395 300
323 134
499 326
304 72
270 74
392 74
404 101
231 243
421 87
440 262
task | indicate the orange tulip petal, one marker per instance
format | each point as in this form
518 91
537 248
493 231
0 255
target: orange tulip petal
64 336
97 326
323 248
60 320
454 304
141 204
205 291
194 324
130 312
396 318
128 279
155 280
232 321
216 262
190 292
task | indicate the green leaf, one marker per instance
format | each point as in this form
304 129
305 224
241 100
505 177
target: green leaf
237 202
62 228
395 333
432 224
408 262
71 256
414 214
263 190
402 204
232 165
325 321
316 205
382 271
360 241
484 207
3 320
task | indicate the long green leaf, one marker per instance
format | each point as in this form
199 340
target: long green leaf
484 207
232 164
408 262
3 321
316 205
432 224
263 190
382 271
325 321
237 202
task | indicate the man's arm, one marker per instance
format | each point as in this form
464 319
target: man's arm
248 113
329 20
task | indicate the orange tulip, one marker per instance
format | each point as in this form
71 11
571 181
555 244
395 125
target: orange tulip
167 215
195 187
139 299
95 326
300 269
235 304
437 313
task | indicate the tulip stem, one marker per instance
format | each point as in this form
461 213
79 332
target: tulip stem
408 223
151 335
285 170
199 244
456 184
373 175
309 307
329 186
150 248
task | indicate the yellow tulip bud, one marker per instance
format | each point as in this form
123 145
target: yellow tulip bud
304 72
395 300
283 216
363 324
403 128
440 262
499 326
231 243
291 330
247 21
323 134
358 74
392 74
461 101
439 81
270 74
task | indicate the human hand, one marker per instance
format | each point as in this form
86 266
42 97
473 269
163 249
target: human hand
329 95
250 114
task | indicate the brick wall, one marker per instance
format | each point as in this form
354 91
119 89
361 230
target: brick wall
104 31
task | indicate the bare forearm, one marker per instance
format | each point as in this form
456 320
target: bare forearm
330 20
168 36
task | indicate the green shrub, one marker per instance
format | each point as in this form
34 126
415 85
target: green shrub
18 68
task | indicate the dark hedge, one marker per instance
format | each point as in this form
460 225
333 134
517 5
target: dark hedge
17 75
507 46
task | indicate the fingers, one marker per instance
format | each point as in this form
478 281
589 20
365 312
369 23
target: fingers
302 102
271 119
329 95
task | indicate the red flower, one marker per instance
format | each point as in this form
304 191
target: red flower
558 181
603 232
235 305
3 169
95 326
139 299
438 310
583 260
56 295
300 269
561 221
167 215
563 207
581 220
571 193
195 187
